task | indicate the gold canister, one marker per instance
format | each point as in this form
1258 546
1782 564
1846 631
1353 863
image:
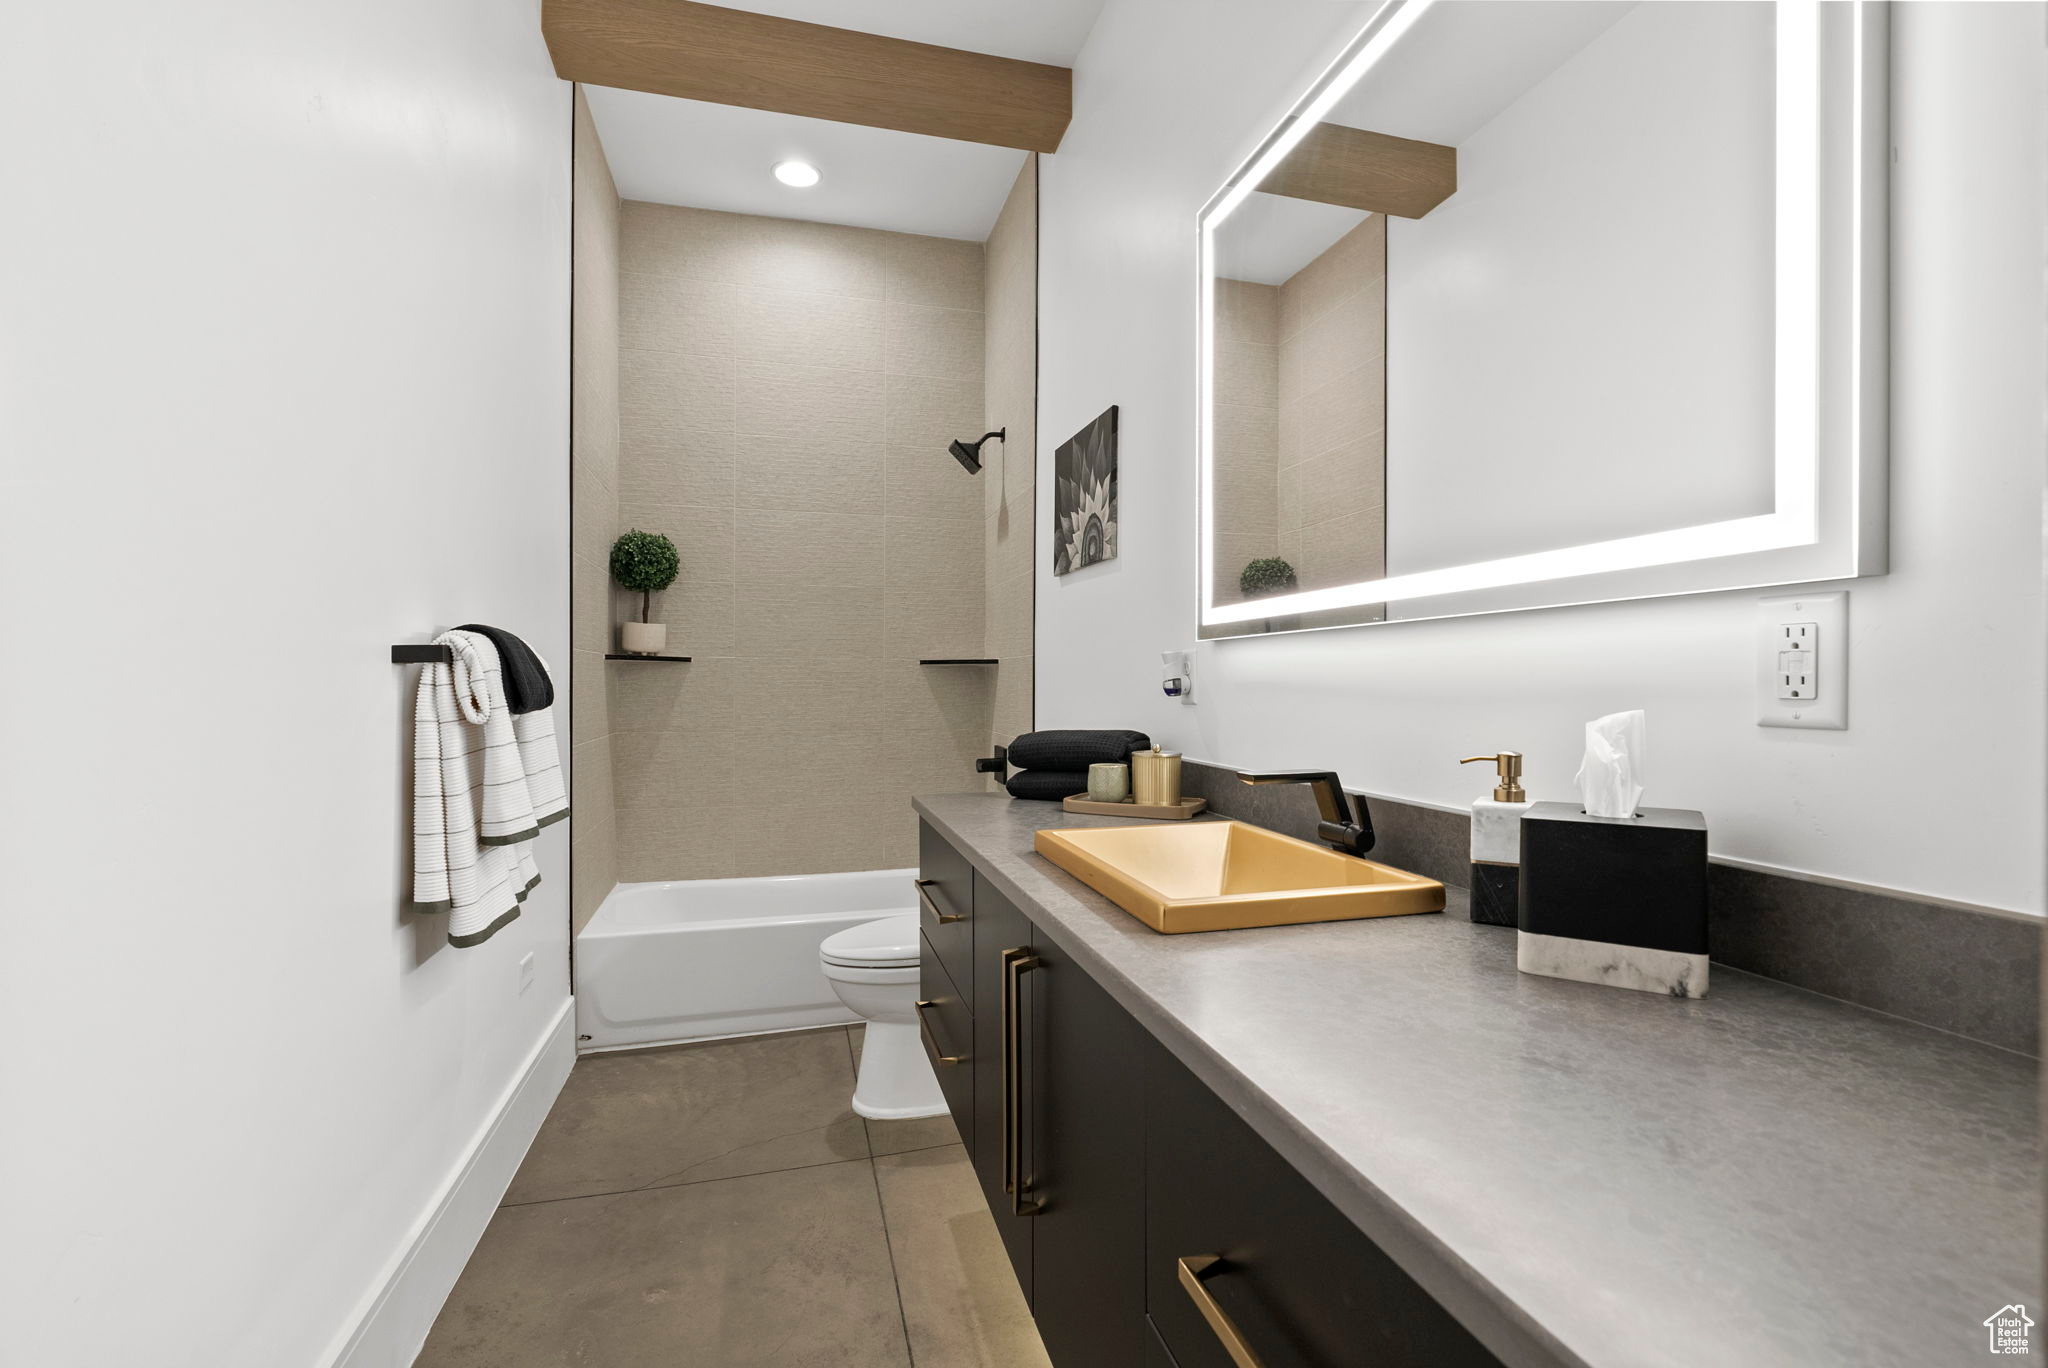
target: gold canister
1155 777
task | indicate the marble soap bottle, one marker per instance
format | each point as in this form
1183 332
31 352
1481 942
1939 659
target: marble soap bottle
1497 841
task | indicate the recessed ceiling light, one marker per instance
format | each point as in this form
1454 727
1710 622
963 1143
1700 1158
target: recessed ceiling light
800 174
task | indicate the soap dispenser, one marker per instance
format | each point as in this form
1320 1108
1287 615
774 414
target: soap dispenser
1497 841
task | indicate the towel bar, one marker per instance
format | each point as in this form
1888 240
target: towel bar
421 655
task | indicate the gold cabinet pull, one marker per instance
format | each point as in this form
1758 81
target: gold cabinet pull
1232 1339
1016 963
931 1037
924 896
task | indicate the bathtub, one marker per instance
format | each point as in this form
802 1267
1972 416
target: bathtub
664 962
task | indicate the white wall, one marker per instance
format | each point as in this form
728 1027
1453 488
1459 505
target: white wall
283 380
1935 789
1590 271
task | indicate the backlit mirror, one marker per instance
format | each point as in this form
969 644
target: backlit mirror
1533 302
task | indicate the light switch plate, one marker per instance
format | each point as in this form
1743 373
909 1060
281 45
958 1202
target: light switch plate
1802 661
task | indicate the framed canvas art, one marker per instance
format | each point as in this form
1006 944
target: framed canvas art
1084 496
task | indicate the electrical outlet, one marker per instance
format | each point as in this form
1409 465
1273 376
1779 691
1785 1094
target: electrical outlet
1798 660
1803 661
526 971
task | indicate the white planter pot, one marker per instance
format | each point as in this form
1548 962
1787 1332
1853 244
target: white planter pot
643 638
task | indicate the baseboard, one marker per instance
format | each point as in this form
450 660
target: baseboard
399 1309
581 1049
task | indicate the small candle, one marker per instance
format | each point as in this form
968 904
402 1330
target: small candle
1109 783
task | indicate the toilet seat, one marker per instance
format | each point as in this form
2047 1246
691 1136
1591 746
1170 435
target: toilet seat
890 943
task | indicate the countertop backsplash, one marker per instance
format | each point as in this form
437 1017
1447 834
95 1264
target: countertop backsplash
1974 972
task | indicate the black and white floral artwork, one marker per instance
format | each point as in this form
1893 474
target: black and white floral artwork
1084 496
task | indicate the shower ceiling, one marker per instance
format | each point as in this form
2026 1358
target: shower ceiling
712 156
709 156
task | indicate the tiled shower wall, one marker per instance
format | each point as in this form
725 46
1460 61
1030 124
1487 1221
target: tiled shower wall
1300 405
1247 429
1010 297
594 455
1333 404
787 391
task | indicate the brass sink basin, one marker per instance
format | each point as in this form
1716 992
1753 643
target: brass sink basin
1214 876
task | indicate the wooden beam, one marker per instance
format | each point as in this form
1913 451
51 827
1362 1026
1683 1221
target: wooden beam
1362 170
759 61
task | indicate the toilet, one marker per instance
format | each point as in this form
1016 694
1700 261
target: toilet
874 970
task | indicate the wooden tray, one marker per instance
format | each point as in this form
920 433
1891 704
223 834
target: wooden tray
1081 802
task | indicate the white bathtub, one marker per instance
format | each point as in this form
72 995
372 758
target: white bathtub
663 962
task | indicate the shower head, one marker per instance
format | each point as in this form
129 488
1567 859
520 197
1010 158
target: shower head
969 455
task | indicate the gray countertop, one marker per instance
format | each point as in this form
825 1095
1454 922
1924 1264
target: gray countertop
1586 1175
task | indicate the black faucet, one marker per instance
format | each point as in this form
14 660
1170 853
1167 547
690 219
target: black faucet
1348 830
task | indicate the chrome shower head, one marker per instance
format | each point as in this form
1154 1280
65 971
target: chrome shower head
969 456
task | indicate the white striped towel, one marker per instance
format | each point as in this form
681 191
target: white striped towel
484 783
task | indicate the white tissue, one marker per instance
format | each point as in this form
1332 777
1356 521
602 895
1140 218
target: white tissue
1610 778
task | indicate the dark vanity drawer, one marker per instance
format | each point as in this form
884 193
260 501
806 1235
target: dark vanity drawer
1157 1355
945 909
1238 1243
947 1026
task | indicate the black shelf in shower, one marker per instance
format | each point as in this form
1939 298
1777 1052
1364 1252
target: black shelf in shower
430 654
962 660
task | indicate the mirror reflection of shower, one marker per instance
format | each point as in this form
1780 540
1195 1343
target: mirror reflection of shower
968 456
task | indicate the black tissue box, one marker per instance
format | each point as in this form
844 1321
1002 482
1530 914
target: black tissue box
1615 900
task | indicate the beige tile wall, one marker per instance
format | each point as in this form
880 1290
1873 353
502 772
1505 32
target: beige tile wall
1300 418
1247 429
1009 501
1333 397
594 454
787 391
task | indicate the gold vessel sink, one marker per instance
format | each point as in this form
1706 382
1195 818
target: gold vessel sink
1215 876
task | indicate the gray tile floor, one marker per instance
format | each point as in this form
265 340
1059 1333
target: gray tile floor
719 1205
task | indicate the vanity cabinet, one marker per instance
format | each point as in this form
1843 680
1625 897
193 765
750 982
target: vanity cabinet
1087 1172
947 1025
1046 1101
945 904
1002 1069
1110 1168
1239 1247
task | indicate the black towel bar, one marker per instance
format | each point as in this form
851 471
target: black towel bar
422 655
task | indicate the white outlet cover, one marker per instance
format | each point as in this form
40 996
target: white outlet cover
1828 709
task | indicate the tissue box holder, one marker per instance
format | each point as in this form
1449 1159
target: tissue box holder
1614 900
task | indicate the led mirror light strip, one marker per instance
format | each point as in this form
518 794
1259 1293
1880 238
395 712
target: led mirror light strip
1794 520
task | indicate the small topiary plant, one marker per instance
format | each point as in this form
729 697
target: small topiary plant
645 563
1267 575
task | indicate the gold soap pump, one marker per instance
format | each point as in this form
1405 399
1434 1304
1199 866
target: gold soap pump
1496 878
1508 767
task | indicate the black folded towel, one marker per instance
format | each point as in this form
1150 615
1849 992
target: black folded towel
1075 750
527 686
1052 784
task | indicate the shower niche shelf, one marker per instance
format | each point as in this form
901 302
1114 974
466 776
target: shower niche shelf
960 660
627 655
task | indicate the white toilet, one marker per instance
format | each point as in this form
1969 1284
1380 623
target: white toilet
874 970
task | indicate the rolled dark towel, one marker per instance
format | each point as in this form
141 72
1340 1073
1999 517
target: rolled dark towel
1050 784
1072 751
527 686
